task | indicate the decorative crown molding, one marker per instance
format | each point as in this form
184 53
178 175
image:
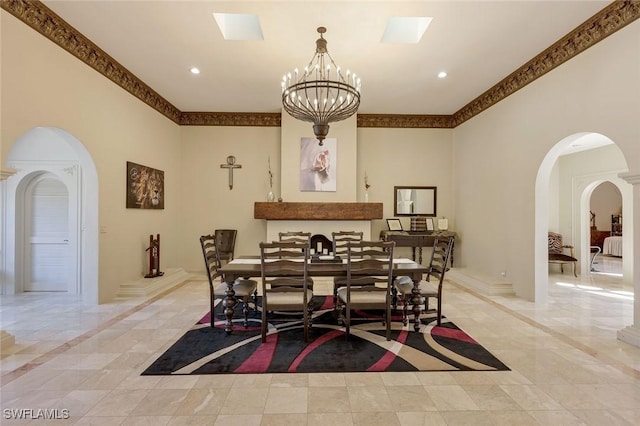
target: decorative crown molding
46 22
405 121
230 119
612 18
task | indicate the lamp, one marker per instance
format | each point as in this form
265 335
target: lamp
321 94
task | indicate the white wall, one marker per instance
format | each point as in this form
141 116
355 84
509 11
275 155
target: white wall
42 85
498 153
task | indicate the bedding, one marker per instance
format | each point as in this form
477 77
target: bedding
612 246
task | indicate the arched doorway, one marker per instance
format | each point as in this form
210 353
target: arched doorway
577 215
49 263
46 151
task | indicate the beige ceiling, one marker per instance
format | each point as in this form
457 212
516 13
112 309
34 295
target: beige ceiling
478 43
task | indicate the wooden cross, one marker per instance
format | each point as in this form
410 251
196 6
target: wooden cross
231 164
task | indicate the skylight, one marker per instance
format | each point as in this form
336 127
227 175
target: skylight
405 29
239 26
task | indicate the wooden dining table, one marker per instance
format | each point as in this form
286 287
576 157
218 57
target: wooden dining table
249 267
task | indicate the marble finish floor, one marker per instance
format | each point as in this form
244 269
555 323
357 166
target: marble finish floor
568 368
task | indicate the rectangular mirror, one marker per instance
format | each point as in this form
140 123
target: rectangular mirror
414 200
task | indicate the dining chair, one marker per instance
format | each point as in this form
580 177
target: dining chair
340 239
369 281
226 243
297 237
557 252
285 281
245 290
429 288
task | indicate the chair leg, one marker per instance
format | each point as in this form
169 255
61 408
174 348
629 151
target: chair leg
575 274
561 268
405 304
348 322
388 318
306 324
211 312
245 311
255 300
264 321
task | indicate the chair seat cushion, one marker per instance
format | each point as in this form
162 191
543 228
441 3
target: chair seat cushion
426 288
287 300
559 257
363 297
243 288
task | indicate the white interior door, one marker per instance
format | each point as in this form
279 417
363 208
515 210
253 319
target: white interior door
48 254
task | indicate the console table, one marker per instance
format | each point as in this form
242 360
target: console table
416 240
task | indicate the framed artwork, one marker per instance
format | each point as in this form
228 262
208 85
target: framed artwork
318 165
429 224
145 187
394 224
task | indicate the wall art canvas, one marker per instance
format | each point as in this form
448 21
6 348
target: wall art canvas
318 165
145 187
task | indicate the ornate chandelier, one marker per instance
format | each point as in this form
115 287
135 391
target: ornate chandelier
321 94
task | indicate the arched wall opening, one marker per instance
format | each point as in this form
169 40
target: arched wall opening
581 188
53 150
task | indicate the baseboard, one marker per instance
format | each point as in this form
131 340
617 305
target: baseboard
482 284
150 286
630 335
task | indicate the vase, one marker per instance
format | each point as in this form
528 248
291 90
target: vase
366 196
271 196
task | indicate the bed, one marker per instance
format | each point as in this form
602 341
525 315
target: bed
612 246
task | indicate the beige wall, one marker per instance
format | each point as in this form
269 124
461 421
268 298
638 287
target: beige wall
208 203
42 85
498 153
406 157
606 200
485 169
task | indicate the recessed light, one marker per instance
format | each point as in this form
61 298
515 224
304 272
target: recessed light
194 70
442 74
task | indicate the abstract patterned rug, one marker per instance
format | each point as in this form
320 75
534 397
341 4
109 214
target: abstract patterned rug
207 350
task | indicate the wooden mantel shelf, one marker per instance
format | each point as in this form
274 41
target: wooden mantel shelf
317 211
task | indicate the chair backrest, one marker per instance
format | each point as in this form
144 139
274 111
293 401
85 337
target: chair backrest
555 242
368 263
440 255
211 257
295 236
342 238
226 243
284 265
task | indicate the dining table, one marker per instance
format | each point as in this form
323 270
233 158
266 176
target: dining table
249 267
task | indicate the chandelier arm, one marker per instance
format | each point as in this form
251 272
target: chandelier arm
317 95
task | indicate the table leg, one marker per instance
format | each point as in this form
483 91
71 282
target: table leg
229 303
420 254
416 300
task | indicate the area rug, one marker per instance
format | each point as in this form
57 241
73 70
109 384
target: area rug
207 350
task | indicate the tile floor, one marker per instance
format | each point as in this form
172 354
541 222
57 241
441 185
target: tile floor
568 368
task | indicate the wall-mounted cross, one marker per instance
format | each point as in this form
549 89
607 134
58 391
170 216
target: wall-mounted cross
231 164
